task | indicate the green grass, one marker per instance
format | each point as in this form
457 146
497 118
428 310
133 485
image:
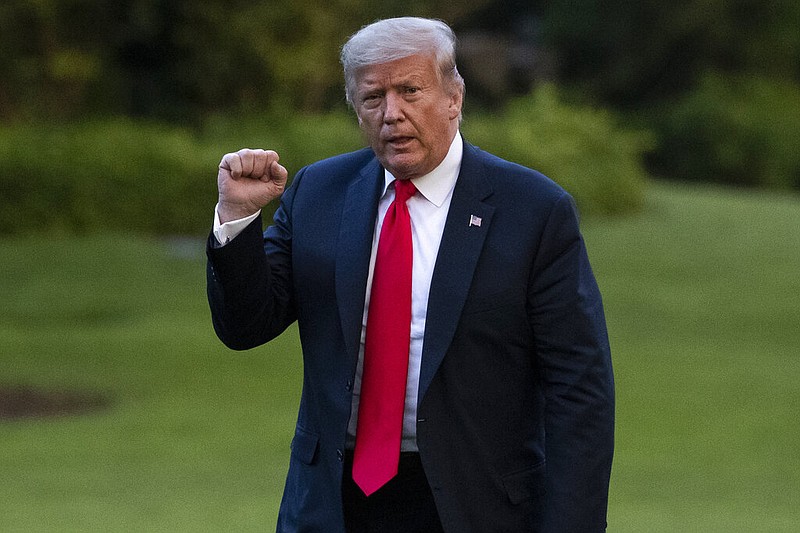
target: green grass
701 292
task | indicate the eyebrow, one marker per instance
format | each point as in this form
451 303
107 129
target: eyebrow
367 85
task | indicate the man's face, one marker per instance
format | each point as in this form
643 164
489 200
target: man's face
408 116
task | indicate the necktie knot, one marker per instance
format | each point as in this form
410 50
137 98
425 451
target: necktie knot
403 190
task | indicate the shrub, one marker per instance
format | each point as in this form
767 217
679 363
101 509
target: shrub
299 138
581 148
119 174
131 176
113 174
739 130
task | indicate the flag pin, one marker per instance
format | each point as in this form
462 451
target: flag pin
474 221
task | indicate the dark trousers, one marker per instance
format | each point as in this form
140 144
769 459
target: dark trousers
404 505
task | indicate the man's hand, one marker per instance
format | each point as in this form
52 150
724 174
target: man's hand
247 181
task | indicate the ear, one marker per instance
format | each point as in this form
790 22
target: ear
456 100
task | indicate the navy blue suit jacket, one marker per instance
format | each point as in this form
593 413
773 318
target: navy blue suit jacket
516 395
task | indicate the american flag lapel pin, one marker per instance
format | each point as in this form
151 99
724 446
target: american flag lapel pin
474 221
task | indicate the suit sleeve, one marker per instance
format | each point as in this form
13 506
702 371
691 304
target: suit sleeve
568 322
249 281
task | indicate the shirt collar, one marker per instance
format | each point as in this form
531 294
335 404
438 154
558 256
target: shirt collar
437 184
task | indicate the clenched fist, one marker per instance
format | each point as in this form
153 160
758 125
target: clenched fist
247 181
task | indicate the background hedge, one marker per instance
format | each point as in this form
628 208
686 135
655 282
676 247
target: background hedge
584 149
743 130
121 174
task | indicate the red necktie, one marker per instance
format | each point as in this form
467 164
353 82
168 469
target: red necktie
383 379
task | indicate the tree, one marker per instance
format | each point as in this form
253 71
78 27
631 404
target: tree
637 52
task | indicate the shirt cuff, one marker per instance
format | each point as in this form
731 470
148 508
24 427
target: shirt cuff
224 233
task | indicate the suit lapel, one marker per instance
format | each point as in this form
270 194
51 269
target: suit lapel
465 230
359 212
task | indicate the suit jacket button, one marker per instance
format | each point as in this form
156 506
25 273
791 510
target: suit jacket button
340 455
349 385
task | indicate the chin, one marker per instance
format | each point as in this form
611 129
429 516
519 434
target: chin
402 167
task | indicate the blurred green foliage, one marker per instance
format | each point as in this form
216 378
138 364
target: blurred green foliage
735 129
717 81
174 67
113 174
584 149
634 54
126 175
299 138
178 59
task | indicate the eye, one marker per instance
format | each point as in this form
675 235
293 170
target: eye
410 90
371 100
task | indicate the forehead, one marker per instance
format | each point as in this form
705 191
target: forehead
415 67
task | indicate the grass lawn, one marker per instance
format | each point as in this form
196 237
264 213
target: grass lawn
701 292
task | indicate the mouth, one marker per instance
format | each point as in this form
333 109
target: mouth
398 141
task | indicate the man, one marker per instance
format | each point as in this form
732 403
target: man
426 268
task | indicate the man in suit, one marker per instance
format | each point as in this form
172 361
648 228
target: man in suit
506 408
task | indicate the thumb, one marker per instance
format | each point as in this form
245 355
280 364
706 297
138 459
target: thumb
278 173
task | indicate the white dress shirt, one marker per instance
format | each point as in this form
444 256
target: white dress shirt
428 209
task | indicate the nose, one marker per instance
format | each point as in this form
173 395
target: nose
393 108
